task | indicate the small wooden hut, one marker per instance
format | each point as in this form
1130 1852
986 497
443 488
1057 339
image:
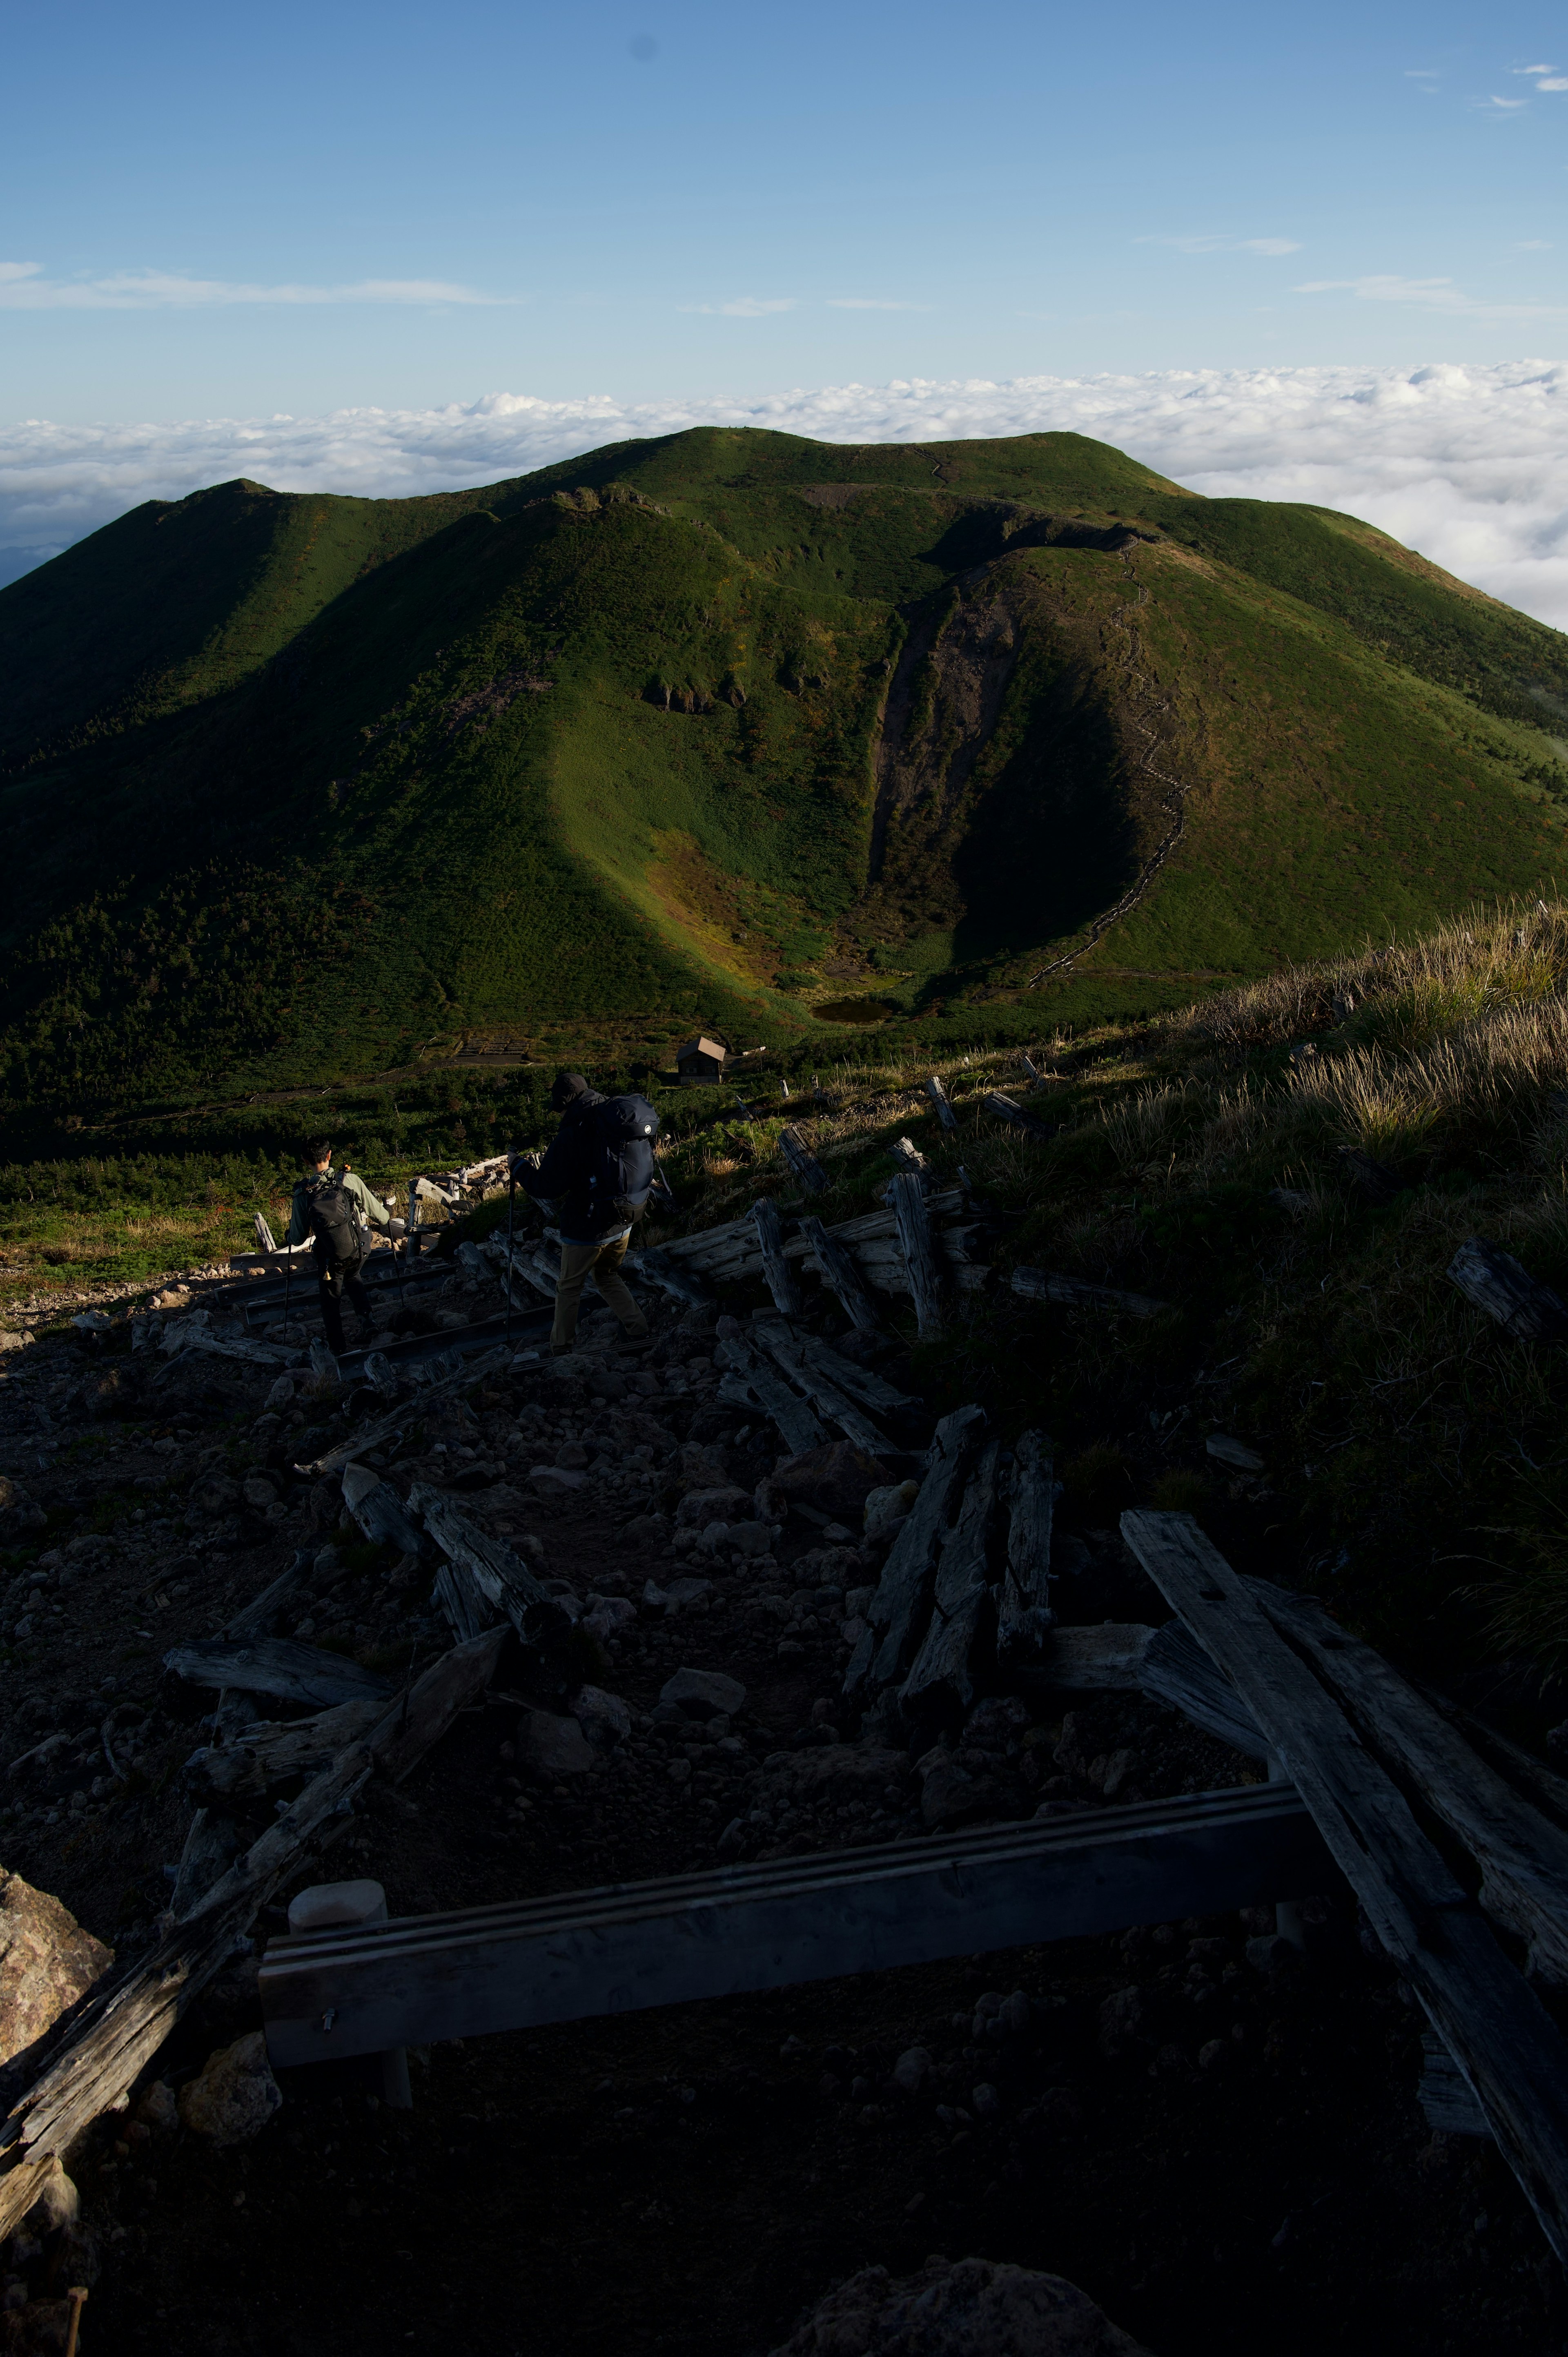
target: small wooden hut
701 1060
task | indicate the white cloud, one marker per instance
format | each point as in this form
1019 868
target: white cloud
1470 465
1224 244
24 288
871 303
1553 81
1533 70
745 306
1534 246
1431 294
1509 105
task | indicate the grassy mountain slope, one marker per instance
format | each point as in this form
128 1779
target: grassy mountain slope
716 730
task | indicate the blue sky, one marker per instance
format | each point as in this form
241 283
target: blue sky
241 211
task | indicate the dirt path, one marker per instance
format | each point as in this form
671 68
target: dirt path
1221 2157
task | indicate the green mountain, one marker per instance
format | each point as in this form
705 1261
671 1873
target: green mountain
728 728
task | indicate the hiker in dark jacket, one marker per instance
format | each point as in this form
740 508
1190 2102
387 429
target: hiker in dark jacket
335 1210
599 1172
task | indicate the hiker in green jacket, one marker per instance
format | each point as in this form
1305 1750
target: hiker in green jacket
335 1211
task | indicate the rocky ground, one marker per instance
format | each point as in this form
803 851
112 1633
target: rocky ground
1219 2141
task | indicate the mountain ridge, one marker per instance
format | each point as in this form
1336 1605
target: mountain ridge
717 729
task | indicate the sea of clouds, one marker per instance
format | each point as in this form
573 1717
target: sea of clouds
1468 464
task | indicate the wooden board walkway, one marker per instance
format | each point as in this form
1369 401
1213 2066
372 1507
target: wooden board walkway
632 1945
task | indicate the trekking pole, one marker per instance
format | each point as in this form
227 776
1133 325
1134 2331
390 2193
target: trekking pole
510 1213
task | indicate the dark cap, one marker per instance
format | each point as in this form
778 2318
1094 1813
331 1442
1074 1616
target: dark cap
568 1087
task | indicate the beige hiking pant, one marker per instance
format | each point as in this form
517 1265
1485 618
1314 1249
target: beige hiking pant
602 1262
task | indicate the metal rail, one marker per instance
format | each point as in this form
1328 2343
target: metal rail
630 1945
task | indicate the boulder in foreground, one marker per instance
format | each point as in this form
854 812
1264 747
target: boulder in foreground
47 1962
970 2308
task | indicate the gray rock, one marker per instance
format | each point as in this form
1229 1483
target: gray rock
698 1508
1234 1453
609 1616
556 1481
985 2102
235 2095
969 2308
888 1503
280 1395
687 1591
912 2070
604 1718
55 2202
157 2108
949 1793
47 1962
553 1747
703 1694
1122 2020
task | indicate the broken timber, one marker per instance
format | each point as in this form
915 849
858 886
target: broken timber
803 1162
1045 1285
632 1945
1023 1615
1505 2043
840 1275
939 1097
1009 1110
897 1613
117 2033
1506 1290
940 1683
776 1268
908 1197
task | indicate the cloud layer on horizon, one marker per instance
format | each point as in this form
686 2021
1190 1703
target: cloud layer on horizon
1470 465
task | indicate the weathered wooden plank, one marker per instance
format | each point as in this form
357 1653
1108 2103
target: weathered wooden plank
803 1162
820 1389
269 1751
841 1276
781 1276
1102 1655
1488 2018
897 1618
378 1510
1023 1615
375 1429
907 1201
1045 1285
654 1263
942 1681
122 2028
797 1427
860 1382
501 1577
1176 1670
939 1097
210 1842
1444 2093
1008 1109
632 1945
261 1616
1522 1856
1506 1290
275 1665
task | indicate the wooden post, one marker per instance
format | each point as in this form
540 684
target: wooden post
939 1097
1023 1615
896 1617
908 1199
1007 1109
781 1276
941 1680
841 1276
803 1162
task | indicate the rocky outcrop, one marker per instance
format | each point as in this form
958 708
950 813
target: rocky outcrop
47 1962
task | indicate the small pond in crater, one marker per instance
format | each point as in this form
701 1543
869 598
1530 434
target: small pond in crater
854 1010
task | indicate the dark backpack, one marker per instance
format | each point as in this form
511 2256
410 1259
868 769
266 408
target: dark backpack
620 1155
333 1218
